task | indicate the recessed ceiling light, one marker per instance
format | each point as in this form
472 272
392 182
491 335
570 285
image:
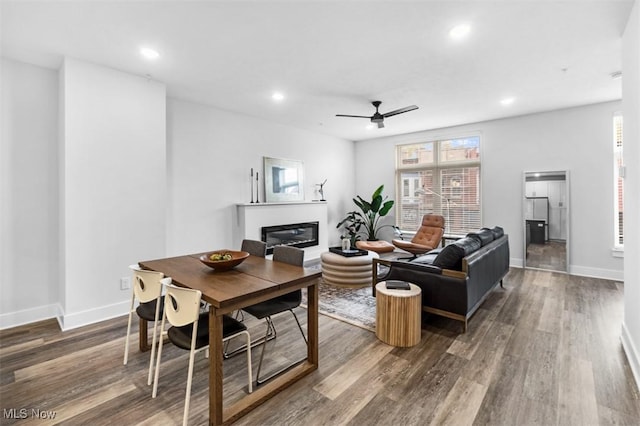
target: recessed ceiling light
459 31
370 126
277 96
616 75
149 53
507 101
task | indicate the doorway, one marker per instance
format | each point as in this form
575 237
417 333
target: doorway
546 220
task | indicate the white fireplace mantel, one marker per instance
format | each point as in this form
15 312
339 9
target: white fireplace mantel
251 217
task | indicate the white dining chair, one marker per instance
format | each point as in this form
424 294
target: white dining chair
147 290
190 331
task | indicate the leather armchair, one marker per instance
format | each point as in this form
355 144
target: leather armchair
426 238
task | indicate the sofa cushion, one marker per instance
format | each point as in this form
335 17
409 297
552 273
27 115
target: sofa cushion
497 232
468 244
485 235
450 257
426 259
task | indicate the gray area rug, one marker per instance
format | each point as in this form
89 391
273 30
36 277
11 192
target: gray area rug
355 306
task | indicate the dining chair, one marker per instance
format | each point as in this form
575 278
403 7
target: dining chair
190 331
147 290
287 302
254 247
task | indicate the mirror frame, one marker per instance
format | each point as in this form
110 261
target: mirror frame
568 218
274 197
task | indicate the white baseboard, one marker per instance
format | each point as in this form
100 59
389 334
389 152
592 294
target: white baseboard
515 262
583 271
632 353
90 316
27 316
605 274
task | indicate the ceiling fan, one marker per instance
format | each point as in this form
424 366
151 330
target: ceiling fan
379 118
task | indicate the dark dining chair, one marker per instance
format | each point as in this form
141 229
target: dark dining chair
254 247
287 302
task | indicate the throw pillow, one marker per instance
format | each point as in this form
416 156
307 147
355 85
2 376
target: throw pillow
450 257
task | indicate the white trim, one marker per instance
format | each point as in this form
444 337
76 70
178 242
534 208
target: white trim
581 271
90 316
617 252
632 353
31 315
605 274
516 262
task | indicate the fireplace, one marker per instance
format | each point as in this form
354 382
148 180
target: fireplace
295 234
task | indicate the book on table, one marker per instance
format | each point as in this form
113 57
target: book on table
398 285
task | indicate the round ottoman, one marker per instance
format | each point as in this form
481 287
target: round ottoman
345 271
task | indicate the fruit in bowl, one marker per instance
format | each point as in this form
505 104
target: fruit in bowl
222 260
217 257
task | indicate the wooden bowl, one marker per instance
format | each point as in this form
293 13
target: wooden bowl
237 257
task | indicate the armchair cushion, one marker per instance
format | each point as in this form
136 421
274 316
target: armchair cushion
426 238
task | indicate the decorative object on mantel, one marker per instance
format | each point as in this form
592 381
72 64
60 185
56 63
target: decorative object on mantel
366 221
251 184
321 190
257 188
283 180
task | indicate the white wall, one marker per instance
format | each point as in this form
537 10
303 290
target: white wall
99 172
114 185
210 154
631 140
29 193
577 139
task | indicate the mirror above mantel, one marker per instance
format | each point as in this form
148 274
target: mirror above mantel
283 180
545 209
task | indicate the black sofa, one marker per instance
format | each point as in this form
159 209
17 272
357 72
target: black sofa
455 279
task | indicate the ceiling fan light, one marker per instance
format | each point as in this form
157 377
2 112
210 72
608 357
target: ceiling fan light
149 53
459 31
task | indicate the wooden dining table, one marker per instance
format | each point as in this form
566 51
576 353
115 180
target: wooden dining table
255 280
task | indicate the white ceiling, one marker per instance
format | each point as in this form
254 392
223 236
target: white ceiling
331 57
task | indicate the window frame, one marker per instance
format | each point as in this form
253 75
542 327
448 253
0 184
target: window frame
437 166
618 185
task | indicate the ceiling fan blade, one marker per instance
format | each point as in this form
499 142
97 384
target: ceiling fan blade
399 111
380 124
355 116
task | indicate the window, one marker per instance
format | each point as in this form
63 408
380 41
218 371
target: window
441 177
618 168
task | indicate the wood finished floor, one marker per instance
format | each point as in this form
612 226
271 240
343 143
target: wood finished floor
544 351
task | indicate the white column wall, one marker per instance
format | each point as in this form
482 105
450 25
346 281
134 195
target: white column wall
114 185
631 141
29 193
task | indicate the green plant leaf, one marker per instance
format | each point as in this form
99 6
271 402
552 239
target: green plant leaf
377 192
376 203
386 208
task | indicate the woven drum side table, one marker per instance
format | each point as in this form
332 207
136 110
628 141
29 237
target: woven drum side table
398 314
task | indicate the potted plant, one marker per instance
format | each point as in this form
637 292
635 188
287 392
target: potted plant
366 221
